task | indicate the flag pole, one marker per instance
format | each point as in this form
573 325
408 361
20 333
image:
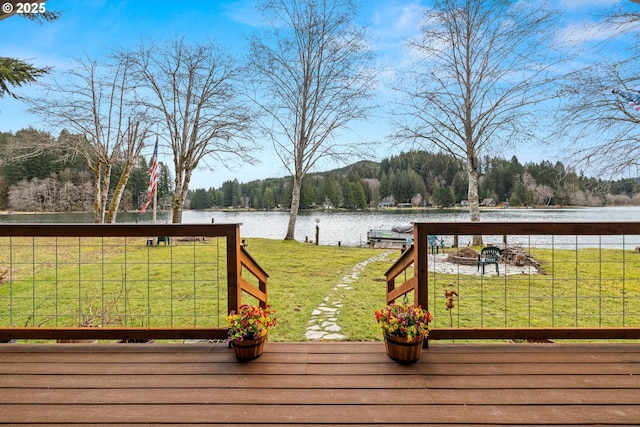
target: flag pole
153 183
155 203
155 191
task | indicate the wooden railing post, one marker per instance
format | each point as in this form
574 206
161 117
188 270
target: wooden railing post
234 270
262 285
421 255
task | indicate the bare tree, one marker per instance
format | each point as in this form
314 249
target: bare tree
596 115
97 104
132 144
312 78
192 90
480 68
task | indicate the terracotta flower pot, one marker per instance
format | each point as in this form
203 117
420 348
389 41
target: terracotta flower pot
401 350
248 349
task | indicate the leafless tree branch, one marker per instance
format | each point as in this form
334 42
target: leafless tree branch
481 69
312 78
96 103
192 91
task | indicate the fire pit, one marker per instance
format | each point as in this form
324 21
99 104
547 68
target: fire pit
512 255
464 256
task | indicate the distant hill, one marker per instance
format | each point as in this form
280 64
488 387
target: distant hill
421 178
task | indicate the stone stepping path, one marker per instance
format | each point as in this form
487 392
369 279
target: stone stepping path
323 324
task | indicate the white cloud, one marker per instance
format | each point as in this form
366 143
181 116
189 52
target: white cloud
397 20
391 24
584 32
244 12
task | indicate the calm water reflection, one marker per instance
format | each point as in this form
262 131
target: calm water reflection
350 228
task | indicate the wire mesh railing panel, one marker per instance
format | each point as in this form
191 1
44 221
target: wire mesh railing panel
112 281
566 281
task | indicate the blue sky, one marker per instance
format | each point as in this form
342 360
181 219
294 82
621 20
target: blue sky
93 27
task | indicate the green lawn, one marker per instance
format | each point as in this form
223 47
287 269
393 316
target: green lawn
588 287
301 275
105 281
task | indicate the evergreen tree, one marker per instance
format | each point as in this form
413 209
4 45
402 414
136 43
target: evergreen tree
15 73
385 188
307 192
200 199
358 197
255 197
514 199
443 196
268 199
165 185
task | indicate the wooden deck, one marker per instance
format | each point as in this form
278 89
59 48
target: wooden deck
320 383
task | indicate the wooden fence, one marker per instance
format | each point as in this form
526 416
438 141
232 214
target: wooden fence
586 284
45 257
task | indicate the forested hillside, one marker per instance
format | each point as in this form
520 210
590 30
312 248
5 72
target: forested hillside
37 178
426 179
58 180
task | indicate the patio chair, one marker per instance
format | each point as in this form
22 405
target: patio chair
435 243
489 255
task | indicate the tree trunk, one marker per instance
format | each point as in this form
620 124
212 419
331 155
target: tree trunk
180 195
97 213
176 215
295 206
117 193
104 196
474 201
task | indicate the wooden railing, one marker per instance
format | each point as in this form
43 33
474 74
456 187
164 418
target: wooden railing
400 267
126 241
528 306
259 292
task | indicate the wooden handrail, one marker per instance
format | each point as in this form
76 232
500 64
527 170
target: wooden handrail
527 228
402 263
118 230
399 267
252 267
609 333
111 333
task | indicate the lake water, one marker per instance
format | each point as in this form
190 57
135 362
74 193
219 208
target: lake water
348 228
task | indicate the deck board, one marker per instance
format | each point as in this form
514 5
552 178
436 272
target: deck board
320 383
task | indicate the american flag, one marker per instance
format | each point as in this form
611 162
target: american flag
632 97
153 178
